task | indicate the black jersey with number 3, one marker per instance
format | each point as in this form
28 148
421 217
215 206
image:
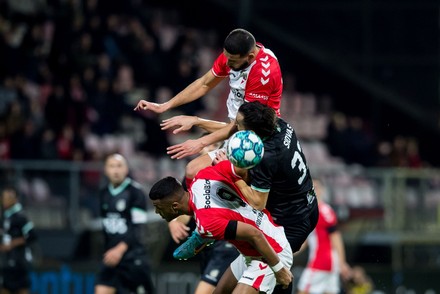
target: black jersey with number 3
283 172
123 210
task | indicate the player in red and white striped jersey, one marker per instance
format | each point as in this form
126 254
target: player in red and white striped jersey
326 253
221 212
254 75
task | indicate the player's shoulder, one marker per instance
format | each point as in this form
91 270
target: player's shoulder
327 211
136 185
219 67
267 57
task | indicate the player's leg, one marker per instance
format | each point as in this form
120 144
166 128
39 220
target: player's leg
245 289
134 274
216 259
227 282
106 281
103 289
15 280
204 288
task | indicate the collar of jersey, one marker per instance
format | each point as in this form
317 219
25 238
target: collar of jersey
13 209
277 129
120 188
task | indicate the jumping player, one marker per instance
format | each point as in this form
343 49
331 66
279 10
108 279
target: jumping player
221 212
254 75
281 182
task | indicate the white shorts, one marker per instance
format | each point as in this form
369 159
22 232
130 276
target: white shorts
258 274
318 281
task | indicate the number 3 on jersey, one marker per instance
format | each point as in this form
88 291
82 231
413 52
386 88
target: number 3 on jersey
298 162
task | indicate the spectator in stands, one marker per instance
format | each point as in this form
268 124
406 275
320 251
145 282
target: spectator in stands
18 233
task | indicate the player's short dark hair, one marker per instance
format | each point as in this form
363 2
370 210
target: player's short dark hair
239 41
11 188
165 188
259 118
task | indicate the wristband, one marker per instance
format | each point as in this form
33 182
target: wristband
276 268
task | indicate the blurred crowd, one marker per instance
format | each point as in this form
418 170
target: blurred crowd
73 70
350 138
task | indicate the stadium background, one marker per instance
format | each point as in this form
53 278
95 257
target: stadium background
361 88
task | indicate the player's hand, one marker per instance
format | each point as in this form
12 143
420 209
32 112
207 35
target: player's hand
5 247
187 148
346 272
155 107
178 231
219 156
113 256
182 122
284 277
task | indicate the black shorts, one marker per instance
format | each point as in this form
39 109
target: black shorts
16 279
215 261
127 276
298 231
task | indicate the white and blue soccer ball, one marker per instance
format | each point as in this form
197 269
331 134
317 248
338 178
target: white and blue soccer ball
245 149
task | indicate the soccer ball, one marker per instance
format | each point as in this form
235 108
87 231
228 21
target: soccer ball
245 149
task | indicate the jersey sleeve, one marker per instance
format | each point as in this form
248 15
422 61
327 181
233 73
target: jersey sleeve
211 224
138 206
25 229
220 68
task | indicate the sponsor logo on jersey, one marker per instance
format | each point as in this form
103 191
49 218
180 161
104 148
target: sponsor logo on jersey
262 266
121 204
207 193
114 224
259 96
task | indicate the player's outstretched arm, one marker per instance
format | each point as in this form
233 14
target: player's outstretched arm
255 198
256 238
193 91
191 147
185 122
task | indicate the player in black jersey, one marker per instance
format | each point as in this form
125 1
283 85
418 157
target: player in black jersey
17 233
281 182
123 209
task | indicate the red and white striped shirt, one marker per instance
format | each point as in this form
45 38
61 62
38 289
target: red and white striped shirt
210 191
261 81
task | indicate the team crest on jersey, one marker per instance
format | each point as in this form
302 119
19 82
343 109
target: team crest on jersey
120 205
